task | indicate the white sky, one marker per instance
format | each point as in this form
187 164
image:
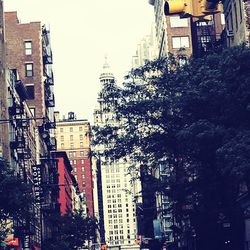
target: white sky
82 32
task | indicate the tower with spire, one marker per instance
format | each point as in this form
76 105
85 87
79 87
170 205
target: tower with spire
101 114
114 207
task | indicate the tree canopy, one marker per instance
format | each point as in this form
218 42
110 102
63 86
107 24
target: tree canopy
73 231
194 119
15 198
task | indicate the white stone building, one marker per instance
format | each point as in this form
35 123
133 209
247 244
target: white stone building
114 206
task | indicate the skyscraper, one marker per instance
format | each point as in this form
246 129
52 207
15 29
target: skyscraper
112 181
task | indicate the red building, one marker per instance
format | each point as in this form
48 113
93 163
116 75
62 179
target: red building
73 137
65 182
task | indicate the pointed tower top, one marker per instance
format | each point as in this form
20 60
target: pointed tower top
106 70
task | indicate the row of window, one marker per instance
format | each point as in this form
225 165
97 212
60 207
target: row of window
73 154
71 129
72 146
71 137
180 42
74 162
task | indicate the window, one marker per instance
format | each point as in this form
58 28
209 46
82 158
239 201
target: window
28 48
62 145
71 138
29 69
31 92
61 129
81 153
62 138
81 137
81 144
80 128
71 145
176 22
180 42
74 162
71 129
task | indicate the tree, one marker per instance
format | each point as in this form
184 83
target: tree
15 199
194 118
73 231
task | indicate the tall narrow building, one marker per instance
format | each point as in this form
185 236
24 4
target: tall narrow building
29 56
73 136
116 208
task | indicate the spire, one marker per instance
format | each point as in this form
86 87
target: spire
106 65
106 70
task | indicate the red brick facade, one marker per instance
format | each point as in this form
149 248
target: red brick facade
16 35
65 182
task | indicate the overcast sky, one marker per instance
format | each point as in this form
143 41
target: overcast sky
82 32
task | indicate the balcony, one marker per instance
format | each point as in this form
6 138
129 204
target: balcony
50 100
19 142
47 53
22 123
24 154
21 90
49 81
47 56
50 125
16 109
51 143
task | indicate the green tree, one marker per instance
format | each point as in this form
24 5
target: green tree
194 119
73 231
15 199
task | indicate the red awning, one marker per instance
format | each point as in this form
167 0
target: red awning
37 248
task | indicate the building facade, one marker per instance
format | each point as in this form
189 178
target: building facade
172 32
31 118
237 20
73 136
146 50
65 183
117 207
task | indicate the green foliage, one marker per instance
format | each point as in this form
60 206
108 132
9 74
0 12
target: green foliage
195 120
15 198
73 231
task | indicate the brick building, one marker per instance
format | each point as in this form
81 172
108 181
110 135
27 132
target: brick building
28 52
73 136
65 182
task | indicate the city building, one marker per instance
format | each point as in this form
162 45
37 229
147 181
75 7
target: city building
186 36
73 136
172 32
65 183
146 50
237 21
113 191
4 143
23 151
28 52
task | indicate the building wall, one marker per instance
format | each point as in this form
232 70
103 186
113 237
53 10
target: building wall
4 141
116 206
16 35
73 136
167 33
146 50
178 32
65 182
237 16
